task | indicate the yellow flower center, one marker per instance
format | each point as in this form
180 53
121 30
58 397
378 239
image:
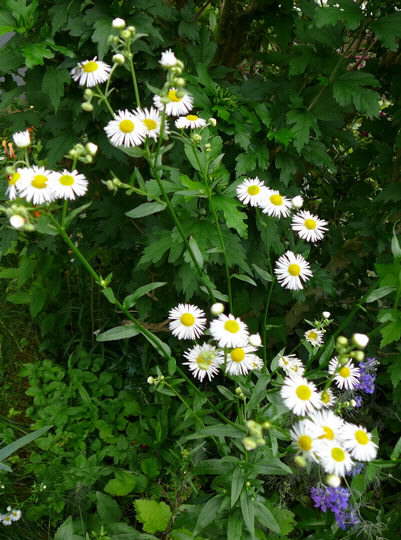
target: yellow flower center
305 442
192 117
66 180
294 269
328 433
338 454
172 96
361 437
90 67
187 319
231 326
253 190
345 372
303 392
126 126
310 224
237 355
150 124
13 179
325 397
312 335
39 181
276 199
205 360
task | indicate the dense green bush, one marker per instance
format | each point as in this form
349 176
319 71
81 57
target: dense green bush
306 97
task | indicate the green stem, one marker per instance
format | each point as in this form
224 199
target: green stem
106 101
264 331
26 156
134 81
64 214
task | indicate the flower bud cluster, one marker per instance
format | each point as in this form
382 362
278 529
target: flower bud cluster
255 438
86 153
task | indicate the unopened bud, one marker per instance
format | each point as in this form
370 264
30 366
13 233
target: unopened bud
360 340
150 380
255 340
88 94
217 308
118 59
196 138
333 480
132 29
91 148
249 443
212 122
126 34
342 341
86 106
359 356
208 147
297 202
10 170
118 23
238 390
300 461
17 221
266 425
179 82
326 314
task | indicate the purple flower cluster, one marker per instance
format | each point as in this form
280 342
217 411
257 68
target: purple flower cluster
367 377
335 499
356 469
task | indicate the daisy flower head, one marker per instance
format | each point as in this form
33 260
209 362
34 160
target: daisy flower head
186 321
304 436
314 336
203 360
291 270
176 105
15 515
274 204
300 395
6 519
69 185
358 441
13 182
334 458
308 226
328 424
327 398
91 72
168 59
126 129
35 185
191 121
151 121
241 360
22 139
291 365
229 331
251 191
346 376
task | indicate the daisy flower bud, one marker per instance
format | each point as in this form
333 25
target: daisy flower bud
87 107
125 34
333 480
179 82
22 139
255 340
212 122
150 380
360 340
88 94
131 29
326 314
300 461
342 341
118 59
168 59
217 308
196 138
17 221
118 23
91 148
359 356
249 443
297 202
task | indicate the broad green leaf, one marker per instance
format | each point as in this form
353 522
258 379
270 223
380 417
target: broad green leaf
196 251
197 159
154 515
234 217
265 517
234 526
246 163
350 89
107 508
130 300
388 30
53 84
244 277
6 451
35 54
208 512
118 332
237 483
21 297
150 466
395 372
263 274
66 531
381 292
100 36
248 512
218 430
396 450
123 483
390 333
302 123
145 209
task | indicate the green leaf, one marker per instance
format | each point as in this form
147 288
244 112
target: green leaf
123 483
22 441
234 217
21 297
248 512
326 15
395 246
244 277
35 54
234 526
284 518
208 512
197 159
265 517
390 333
396 450
302 123
196 251
265 276
53 84
151 467
155 516
107 508
66 531
145 209
130 300
246 163
218 430
381 292
100 36
118 332
349 89
388 30
395 372
237 483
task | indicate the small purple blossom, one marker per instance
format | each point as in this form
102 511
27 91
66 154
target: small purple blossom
356 469
358 401
335 499
367 376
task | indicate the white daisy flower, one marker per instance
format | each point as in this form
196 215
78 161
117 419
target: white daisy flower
291 269
168 59
126 129
327 398
22 139
334 458
13 180
328 423
91 72
15 515
151 121
314 336
274 204
187 321
17 221
69 185
176 106
229 331
203 360
300 395
291 364
358 441
346 376
190 121
251 191
35 185
308 226
6 519
304 435
256 363
240 361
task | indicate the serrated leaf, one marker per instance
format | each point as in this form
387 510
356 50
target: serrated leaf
118 332
53 84
233 216
154 515
390 333
349 89
100 36
107 508
395 372
35 54
246 163
130 300
123 483
302 122
145 209
265 517
388 30
381 292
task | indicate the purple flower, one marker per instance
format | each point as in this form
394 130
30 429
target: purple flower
367 376
356 469
337 501
358 401
347 519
